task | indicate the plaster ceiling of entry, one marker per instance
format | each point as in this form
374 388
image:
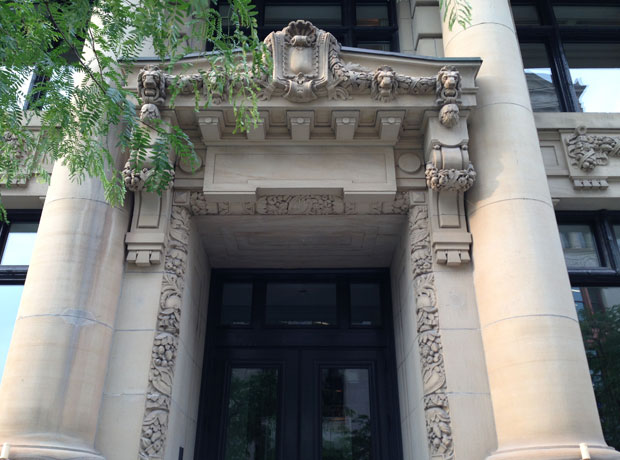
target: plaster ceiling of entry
300 241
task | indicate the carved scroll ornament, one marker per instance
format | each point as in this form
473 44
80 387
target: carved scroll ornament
589 150
436 406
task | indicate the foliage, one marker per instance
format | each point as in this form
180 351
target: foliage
456 12
82 51
601 334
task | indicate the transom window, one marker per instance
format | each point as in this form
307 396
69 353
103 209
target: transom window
571 51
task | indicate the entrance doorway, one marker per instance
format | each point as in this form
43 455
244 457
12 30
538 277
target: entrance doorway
299 365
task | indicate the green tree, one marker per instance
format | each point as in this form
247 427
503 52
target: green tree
81 51
601 336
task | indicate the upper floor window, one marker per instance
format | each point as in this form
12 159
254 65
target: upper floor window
591 241
16 245
367 24
571 53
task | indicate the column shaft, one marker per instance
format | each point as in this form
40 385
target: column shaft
53 381
542 396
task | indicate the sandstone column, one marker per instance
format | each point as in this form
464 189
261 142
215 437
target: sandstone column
54 376
540 386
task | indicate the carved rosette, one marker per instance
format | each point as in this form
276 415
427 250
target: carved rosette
296 205
588 150
436 407
455 180
165 345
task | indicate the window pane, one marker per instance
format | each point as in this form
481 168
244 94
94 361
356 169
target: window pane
372 14
617 233
365 304
9 303
377 45
579 246
592 67
301 304
252 414
599 315
19 245
345 414
583 14
320 14
525 15
236 304
540 84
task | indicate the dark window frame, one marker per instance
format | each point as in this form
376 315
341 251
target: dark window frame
348 33
553 36
15 274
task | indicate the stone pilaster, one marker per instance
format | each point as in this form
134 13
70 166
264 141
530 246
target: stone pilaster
540 386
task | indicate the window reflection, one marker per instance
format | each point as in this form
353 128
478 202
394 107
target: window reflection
579 247
20 243
9 304
580 15
320 14
592 67
543 94
598 309
252 414
345 415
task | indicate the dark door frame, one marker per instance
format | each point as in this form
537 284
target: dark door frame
299 350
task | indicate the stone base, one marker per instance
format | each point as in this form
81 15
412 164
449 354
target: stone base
22 452
555 453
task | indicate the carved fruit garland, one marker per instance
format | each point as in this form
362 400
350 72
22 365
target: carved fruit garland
436 408
165 345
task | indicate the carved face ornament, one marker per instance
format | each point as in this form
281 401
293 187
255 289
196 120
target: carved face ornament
449 79
384 84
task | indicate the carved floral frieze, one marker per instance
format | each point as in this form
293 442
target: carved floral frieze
587 151
166 342
436 406
296 205
307 65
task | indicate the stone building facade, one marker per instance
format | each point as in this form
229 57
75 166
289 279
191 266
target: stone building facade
426 167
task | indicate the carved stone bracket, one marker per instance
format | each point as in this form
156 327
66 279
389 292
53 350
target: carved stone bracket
449 174
587 151
436 406
165 344
297 205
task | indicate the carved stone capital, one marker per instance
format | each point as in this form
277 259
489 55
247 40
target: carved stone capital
587 151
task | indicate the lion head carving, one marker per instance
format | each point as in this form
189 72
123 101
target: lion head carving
384 84
152 85
448 83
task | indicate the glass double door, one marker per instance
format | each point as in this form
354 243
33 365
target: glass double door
299 404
